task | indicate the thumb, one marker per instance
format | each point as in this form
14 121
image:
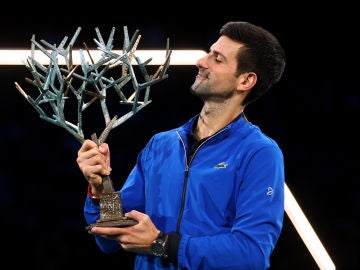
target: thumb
104 148
136 215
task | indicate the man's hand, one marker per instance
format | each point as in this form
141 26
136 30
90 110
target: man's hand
94 162
136 238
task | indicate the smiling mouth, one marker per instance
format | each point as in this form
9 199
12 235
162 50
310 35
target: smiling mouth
202 75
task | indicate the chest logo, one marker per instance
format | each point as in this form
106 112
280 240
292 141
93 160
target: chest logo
221 165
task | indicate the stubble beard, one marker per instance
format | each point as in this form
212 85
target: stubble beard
197 88
203 91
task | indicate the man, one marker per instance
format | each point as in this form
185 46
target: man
208 194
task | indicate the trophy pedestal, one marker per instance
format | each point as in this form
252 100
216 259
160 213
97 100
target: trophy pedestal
111 212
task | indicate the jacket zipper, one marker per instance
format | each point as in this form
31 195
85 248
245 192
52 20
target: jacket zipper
187 167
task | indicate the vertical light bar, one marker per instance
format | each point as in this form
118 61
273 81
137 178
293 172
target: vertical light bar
306 232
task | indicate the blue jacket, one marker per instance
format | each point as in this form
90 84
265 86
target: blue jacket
227 203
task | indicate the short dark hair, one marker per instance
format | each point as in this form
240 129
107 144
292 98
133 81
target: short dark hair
262 54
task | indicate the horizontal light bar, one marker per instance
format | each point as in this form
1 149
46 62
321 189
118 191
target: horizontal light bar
178 57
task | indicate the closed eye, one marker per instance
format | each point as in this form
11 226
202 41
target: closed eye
216 56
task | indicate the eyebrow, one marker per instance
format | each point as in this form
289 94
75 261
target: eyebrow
218 53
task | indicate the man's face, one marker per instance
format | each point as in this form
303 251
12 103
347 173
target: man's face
216 77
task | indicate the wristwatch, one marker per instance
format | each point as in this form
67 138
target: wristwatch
158 247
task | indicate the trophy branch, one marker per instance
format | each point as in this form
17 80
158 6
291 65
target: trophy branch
66 91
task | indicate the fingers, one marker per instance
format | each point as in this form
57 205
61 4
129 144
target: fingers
87 144
124 236
104 149
94 161
115 233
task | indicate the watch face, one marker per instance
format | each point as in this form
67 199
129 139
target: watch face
157 248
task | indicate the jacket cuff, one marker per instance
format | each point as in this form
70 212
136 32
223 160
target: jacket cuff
173 242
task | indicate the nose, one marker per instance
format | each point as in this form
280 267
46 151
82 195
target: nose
201 62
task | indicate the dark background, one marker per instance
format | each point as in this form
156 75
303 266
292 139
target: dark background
312 113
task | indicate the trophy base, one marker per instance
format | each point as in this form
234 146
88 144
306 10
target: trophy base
111 211
122 222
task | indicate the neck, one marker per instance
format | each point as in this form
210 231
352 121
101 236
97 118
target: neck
211 121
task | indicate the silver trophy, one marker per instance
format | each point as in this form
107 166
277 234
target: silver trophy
65 91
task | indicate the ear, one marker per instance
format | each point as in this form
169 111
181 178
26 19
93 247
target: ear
246 81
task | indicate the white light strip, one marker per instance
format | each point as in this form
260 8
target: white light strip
178 57
306 232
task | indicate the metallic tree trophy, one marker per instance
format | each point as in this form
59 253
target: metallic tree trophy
67 85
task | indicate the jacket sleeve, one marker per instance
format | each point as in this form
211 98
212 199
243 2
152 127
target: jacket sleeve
257 225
